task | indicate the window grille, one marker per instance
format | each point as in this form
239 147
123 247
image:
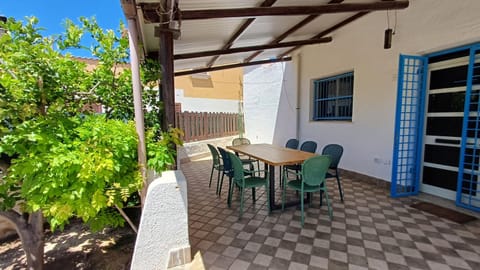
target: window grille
333 98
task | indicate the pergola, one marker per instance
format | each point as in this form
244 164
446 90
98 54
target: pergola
192 36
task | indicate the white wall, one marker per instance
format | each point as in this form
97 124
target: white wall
425 26
205 104
162 240
269 103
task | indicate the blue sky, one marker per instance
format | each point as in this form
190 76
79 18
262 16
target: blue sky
52 13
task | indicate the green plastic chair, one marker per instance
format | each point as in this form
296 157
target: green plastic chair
243 180
216 165
292 144
335 152
307 146
245 160
312 179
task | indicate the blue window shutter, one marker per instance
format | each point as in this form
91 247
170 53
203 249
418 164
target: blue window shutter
468 190
409 119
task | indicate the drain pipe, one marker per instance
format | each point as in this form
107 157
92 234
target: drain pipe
299 96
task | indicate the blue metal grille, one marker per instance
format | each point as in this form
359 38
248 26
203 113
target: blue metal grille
468 190
333 98
408 125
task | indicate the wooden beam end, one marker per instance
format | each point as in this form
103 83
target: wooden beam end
129 8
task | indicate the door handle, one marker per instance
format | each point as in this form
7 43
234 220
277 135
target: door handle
448 141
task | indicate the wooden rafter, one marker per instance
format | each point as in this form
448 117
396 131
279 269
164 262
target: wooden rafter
252 48
151 16
129 8
240 30
330 29
189 72
294 28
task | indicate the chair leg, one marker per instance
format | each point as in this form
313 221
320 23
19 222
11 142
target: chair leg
340 190
219 188
301 206
321 194
242 192
284 190
281 176
321 198
218 181
230 192
330 210
267 189
211 176
253 195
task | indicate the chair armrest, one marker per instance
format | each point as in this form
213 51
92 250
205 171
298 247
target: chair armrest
255 172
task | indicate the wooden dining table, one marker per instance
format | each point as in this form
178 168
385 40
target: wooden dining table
272 155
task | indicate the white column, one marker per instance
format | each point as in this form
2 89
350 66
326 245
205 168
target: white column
137 102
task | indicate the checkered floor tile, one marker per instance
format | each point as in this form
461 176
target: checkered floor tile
369 230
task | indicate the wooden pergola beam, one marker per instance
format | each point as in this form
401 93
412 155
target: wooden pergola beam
189 72
129 8
240 30
294 28
252 48
165 58
150 10
329 30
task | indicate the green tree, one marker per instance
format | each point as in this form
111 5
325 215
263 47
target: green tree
63 160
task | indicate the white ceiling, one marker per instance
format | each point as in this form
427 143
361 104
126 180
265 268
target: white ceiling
212 34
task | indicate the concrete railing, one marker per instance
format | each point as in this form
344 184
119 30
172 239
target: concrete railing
162 239
194 150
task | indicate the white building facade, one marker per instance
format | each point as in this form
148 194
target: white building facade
423 139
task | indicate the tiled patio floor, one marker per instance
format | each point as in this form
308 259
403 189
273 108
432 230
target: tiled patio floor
369 230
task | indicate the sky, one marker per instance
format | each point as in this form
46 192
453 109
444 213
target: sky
52 13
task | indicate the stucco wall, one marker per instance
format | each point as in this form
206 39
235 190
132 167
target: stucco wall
193 104
223 84
219 91
269 103
426 26
162 239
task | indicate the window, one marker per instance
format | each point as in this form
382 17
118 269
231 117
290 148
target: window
333 98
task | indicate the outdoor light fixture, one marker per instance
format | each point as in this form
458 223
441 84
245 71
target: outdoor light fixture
387 42
389 32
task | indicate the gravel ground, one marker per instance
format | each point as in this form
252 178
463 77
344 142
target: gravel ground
76 248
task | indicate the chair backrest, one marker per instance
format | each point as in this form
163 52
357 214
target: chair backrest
240 141
227 164
238 171
215 156
314 170
335 152
309 146
292 144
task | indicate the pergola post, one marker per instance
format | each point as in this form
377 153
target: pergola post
130 14
166 63
137 103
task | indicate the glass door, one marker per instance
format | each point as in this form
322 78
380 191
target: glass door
446 90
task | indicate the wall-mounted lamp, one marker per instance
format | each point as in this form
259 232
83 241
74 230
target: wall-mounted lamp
387 42
389 32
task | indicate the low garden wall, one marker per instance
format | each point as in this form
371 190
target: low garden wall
162 240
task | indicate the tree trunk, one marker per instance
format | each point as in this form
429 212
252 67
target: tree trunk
30 230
